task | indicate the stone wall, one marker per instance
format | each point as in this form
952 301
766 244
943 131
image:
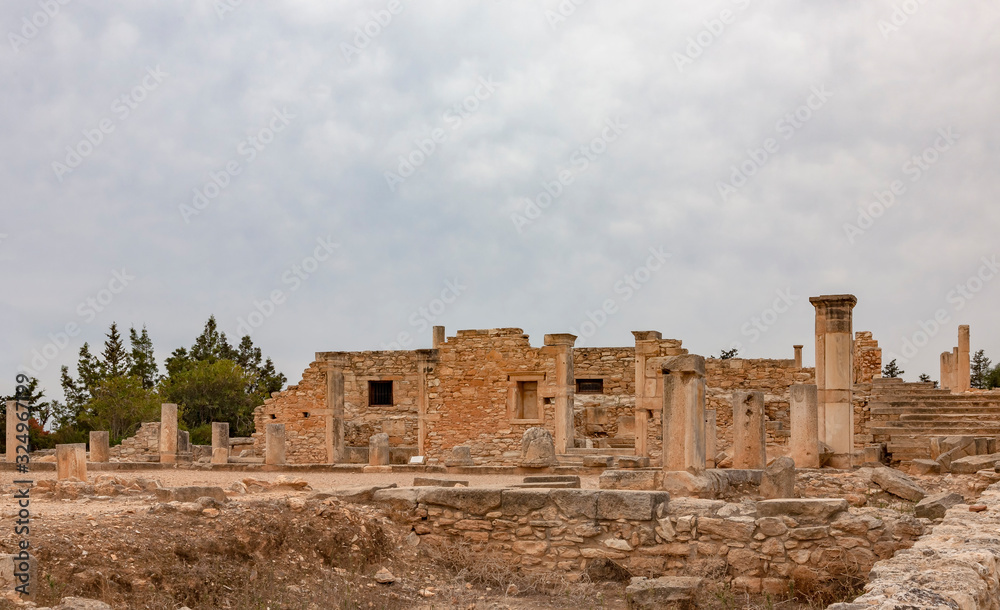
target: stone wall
471 390
773 377
954 566
305 437
144 446
867 358
755 546
597 415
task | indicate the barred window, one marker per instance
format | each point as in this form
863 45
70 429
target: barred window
380 393
589 386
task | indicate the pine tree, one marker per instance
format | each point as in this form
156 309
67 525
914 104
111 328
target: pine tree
143 360
925 377
211 345
891 370
980 370
115 361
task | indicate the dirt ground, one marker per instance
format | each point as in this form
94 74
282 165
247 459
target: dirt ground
272 549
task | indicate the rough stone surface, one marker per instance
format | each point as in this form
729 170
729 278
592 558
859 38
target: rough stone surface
538 450
460 456
434 482
81 603
922 466
898 484
190 494
778 480
631 479
935 506
662 592
974 463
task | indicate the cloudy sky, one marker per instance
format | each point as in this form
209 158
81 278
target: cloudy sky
342 175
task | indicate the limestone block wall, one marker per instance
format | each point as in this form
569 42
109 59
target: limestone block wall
773 377
755 546
144 445
867 358
954 565
469 392
305 436
597 415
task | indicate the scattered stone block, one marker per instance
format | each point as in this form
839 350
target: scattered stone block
920 466
982 445
662 592
460 456
804 510
977 508
71 461
538 450
632 461
357 494
432 482
637 505
190 494
898 484
598 461
100 450
385 577
631 479
709 484
572 479
935 506
974 463
778 480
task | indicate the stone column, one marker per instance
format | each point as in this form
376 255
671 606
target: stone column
684 413
274 444
183 441
71 461
749 438
100 449
438 336
378 449
335 450
945 371
562 345
423 368
805 426
798 356
646 346
963 365
168 433
220 442
11 431
835 370
711 434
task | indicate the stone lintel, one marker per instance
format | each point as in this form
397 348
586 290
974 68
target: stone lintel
687 363
560 339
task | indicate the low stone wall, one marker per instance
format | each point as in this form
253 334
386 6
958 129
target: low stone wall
757 546
144 446
954 566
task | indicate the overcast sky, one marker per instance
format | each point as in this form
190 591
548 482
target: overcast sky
356 171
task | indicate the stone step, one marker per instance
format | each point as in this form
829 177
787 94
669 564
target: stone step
581 451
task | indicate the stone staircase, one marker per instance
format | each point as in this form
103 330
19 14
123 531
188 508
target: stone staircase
574 456
905 416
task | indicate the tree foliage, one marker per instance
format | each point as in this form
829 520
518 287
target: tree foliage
892 370
980 370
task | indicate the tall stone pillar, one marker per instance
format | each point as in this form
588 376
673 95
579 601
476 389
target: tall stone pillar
964 365
11 431
168 433
100 449
424 366
805 426
749 437
711 438
438 336
946 371
274 444
647 345
835 370
335 450
562 346
684 413
220 442
71 461
798 356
